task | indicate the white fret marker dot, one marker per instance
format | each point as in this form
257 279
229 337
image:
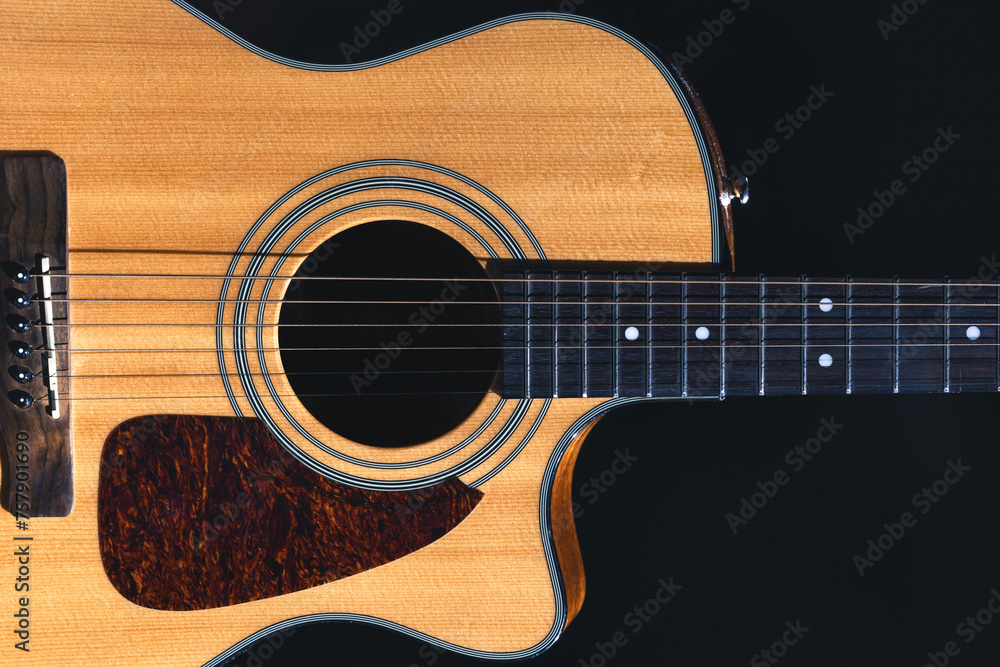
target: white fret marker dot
632 333
826 305
701 333
825 360
973 333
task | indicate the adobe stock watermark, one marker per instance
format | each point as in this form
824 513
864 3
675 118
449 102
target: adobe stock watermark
602 313
786 126
968 630
924 500
316 258
779 649
796 458
421 319
267 649
223 7
593 489
898 17
428 654
570 6
751 331
931 330
137 434
234 511
695 45
914 168
364 34
415 499
635 620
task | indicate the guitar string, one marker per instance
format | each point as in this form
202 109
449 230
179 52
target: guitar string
513 303
62 373
895 306
321 395
636 324
698 345
499 371
636 280
397 394
178 398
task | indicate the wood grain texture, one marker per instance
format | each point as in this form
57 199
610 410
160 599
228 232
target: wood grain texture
564 526
202 512
176 141
33 191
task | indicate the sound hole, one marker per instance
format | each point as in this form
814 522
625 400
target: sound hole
381 375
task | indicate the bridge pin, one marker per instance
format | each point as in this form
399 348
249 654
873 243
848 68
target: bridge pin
21 399
19 324
18 298
19 349
21 374
17 273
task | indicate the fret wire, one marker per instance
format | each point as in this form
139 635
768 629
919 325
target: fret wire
615 315
555 341
553 310
684 339
761 291
528 342
526 289
803 356
722 337
529 345
946 335
848 332
895 334
649 339
554 335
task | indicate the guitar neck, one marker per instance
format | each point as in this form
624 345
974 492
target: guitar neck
618 334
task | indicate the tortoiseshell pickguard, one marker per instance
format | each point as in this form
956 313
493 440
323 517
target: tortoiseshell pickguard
203 512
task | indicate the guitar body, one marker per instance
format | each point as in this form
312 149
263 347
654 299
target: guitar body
545 139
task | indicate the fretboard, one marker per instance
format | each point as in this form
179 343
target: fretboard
618 334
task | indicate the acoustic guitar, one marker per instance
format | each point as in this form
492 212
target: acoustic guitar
289 343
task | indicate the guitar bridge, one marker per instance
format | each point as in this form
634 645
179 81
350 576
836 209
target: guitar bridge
37 453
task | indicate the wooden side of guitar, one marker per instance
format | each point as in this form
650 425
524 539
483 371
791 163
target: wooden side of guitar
176 141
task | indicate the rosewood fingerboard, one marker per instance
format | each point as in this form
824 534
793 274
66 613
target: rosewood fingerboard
628 334
203 512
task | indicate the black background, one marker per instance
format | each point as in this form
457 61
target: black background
665 517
